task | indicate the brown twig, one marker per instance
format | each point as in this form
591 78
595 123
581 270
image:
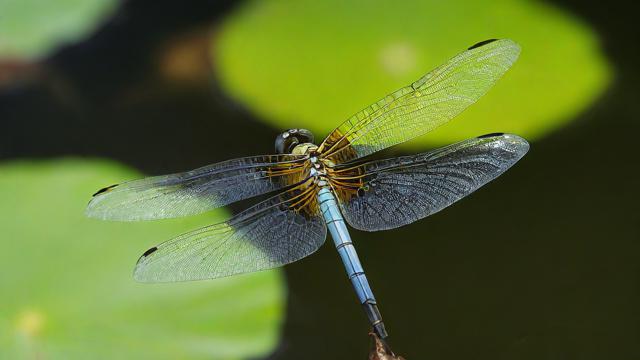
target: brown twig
380 350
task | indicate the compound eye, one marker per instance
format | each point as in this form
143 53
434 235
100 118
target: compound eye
305 136
288 140
284 142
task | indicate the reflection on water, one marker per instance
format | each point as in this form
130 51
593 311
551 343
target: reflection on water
540 264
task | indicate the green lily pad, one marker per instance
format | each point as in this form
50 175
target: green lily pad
313 64
31 28
67 285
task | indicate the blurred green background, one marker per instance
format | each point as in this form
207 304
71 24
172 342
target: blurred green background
540 264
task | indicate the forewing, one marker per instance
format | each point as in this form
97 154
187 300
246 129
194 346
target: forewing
424 105
273 233
195 191
397 192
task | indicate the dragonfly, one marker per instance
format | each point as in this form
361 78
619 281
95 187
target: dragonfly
317 188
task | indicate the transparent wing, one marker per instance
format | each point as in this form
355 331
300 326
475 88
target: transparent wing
270 234
424 105
195 191
397 192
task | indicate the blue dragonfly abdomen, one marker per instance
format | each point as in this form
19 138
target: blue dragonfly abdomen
342 240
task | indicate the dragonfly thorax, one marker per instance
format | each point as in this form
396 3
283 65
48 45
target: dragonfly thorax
304 149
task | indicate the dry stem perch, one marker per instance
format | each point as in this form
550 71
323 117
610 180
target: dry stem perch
380 351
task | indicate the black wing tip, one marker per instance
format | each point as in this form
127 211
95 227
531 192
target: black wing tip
507 136
149 252
482 43
491 135
516 143
105 189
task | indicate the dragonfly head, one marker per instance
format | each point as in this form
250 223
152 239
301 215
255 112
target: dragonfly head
290 139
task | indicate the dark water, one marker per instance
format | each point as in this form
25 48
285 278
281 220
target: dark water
540 264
